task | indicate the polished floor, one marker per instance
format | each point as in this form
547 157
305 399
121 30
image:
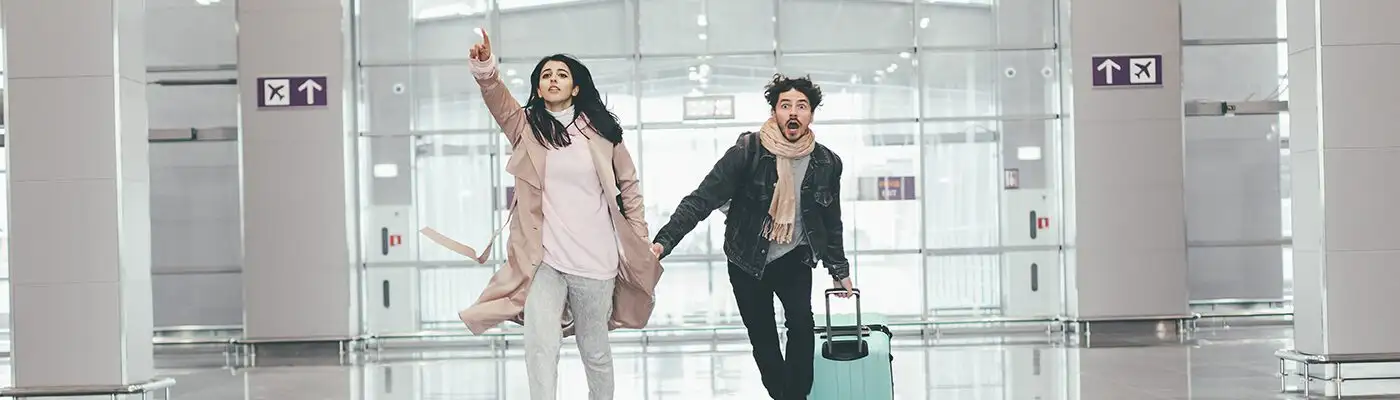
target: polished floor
1211 363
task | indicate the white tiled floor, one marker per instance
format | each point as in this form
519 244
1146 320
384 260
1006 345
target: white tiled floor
1213 364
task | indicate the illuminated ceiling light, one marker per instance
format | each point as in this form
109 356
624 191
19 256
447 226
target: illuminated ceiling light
1028 153
923 22
700 20
904 55
891 68
383 170
510 72
445 11
703 36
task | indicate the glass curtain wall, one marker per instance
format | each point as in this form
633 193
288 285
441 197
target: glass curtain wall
922 101
1238 196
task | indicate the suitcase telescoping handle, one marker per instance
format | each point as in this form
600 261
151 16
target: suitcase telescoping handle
859 327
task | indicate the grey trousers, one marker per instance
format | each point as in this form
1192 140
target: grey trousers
590 302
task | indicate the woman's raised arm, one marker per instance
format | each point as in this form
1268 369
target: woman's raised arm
507 111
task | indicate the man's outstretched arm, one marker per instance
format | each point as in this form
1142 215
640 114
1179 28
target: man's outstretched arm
835 254
714 191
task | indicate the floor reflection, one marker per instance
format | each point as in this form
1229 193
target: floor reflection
1215 364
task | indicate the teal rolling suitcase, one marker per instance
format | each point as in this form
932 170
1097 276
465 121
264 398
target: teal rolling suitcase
853 360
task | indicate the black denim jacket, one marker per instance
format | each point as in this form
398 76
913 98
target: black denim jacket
744 178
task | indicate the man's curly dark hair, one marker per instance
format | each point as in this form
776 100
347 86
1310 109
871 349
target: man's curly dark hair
782 83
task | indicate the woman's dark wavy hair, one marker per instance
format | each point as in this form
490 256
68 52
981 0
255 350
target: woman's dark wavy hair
588 102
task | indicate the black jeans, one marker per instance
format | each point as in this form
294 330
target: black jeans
791 279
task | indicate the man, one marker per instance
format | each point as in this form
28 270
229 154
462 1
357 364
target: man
783 190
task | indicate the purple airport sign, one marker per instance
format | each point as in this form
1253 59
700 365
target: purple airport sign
1127 71
282 92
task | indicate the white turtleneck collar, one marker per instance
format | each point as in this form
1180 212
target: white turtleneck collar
564 116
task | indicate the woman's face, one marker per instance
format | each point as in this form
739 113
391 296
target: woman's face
556 83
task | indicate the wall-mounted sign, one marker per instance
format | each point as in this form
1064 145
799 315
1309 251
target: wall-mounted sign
708 107
1127 71
1012 179
282 92
896 188
886 188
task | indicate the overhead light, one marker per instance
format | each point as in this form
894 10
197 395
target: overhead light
206 2
1028 153
384 170
700 20
891 68
703 36
904 55
923 22
510 72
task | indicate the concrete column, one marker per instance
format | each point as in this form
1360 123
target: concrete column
299 252
1126 240
80 221
1345 154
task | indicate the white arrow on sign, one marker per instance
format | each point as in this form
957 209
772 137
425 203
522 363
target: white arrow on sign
310 87
1107 67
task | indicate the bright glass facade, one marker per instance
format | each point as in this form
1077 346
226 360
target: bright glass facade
927 94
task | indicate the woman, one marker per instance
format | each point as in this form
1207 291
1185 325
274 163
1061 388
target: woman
578 233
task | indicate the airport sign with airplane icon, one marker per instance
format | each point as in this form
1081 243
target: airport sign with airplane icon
279 92
1127 71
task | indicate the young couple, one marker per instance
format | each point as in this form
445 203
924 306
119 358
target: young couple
579 250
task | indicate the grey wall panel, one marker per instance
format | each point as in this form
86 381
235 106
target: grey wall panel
196 248
198 299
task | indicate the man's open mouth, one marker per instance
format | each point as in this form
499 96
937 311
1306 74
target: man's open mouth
793 125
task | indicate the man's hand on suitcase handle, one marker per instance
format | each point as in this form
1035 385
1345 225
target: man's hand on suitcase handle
843 284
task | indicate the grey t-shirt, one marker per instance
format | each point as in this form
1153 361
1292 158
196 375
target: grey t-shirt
777 250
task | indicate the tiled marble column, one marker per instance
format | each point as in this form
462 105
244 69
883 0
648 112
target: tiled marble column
1345 157
80 221
1125 239
300 278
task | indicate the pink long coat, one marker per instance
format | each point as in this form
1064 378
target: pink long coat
639 271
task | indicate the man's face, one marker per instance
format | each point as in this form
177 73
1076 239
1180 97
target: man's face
793 114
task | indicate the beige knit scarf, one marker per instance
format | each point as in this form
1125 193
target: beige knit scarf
783 209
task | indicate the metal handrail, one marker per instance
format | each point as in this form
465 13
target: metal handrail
90 390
